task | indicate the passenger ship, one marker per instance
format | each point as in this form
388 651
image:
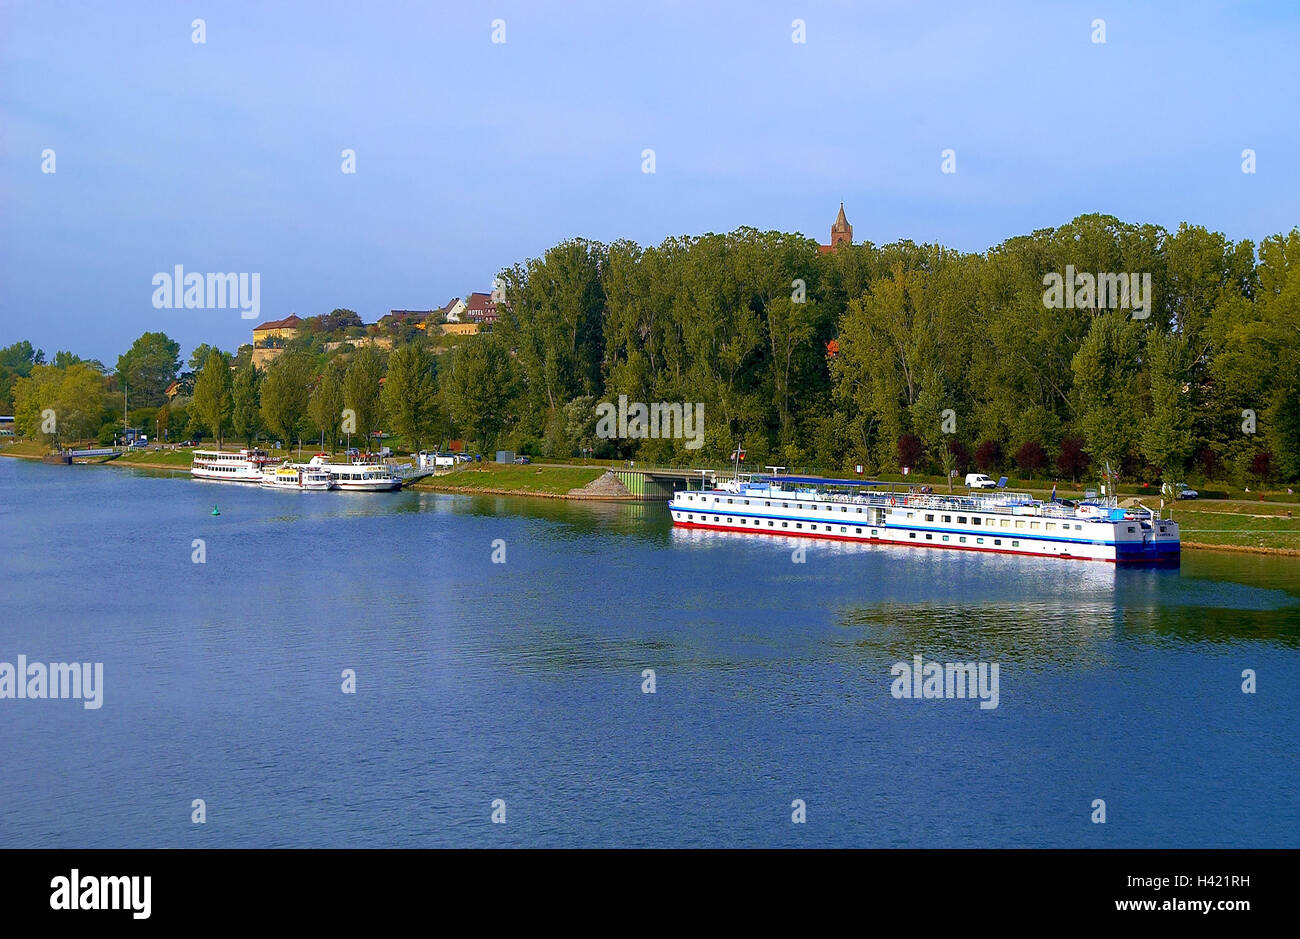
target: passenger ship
361 476
1003 522
300 476
246 466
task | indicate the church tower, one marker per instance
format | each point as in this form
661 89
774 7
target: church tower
841 231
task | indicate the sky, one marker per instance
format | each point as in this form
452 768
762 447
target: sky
473 155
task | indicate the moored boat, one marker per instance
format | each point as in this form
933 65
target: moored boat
1003 523
244 466
362 475
299 476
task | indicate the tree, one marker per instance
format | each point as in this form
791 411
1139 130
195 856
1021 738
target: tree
59 403
326 405
200 356
148 367
1167 431
988 456
285 394
361 389
163 420
1031 457
477 389
410 394
910 450
211 405
246 402
1072 461
948 460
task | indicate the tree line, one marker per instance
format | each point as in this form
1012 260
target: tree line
893 355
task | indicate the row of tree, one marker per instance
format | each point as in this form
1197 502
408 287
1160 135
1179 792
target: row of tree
887 356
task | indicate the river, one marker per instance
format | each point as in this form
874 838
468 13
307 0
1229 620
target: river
522 684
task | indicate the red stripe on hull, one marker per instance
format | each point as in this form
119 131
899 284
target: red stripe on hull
885 541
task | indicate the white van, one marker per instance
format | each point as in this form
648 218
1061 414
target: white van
980 481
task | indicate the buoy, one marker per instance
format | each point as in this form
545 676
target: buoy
215 510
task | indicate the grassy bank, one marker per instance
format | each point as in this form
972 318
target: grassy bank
508 478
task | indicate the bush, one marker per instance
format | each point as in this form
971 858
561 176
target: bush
1031 457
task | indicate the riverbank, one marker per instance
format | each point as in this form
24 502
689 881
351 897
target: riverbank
1211 525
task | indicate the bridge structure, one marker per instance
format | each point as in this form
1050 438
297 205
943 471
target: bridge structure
658 483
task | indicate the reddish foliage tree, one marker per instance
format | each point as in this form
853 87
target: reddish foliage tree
1031 457
961 453
1209 461
910 449
1072 461
988 456
1261 466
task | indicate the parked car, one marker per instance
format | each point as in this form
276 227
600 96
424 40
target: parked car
1186 493
385 452
522 460
352 451
980 481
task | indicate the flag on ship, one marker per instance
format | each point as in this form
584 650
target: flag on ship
1053 492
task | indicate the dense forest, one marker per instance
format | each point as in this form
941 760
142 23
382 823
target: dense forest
892 355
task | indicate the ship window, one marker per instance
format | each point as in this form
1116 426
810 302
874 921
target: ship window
767 503
997 541
911 534
873 532
842 528
746 502
945 537
929 537
1006 523
1015 544
961 519
859 511
975 520
947 518
962 539
911 514
785 524
716 519
929 518
1080 528
691 517
728 519
785 505
1020 523
1131 529
828 528
728 502
979 540
770 523
1051 526
798 524
1035 524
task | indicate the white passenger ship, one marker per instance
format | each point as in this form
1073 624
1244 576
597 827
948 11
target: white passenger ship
300 476
361 476
245 466
1002 522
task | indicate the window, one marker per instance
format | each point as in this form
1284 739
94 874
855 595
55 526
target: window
859 511
873 532
770 523
962 539
843 529
1131 529
911 534
947 518
911 515
929 537
728 519
785 524
945 537
1020 523
997 541
690 518
961 519
1015 544
979 540
975 520
1005 523
858 530
1035 524
1051 526
1080 528
768 504
798 524
746 502
929 518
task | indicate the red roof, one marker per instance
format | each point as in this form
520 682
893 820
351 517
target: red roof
288 322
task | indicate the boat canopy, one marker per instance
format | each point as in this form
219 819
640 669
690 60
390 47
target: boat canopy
821 481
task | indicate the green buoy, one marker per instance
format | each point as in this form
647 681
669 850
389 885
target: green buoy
215 510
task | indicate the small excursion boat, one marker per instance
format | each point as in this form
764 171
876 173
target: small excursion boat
362 475
300 476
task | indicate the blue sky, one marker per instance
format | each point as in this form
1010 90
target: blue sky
470 155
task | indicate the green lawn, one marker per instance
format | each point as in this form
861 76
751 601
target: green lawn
552 480
1236 525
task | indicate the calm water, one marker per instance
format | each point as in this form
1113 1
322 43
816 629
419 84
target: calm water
522 681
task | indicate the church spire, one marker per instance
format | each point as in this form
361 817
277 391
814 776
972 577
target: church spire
841 231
